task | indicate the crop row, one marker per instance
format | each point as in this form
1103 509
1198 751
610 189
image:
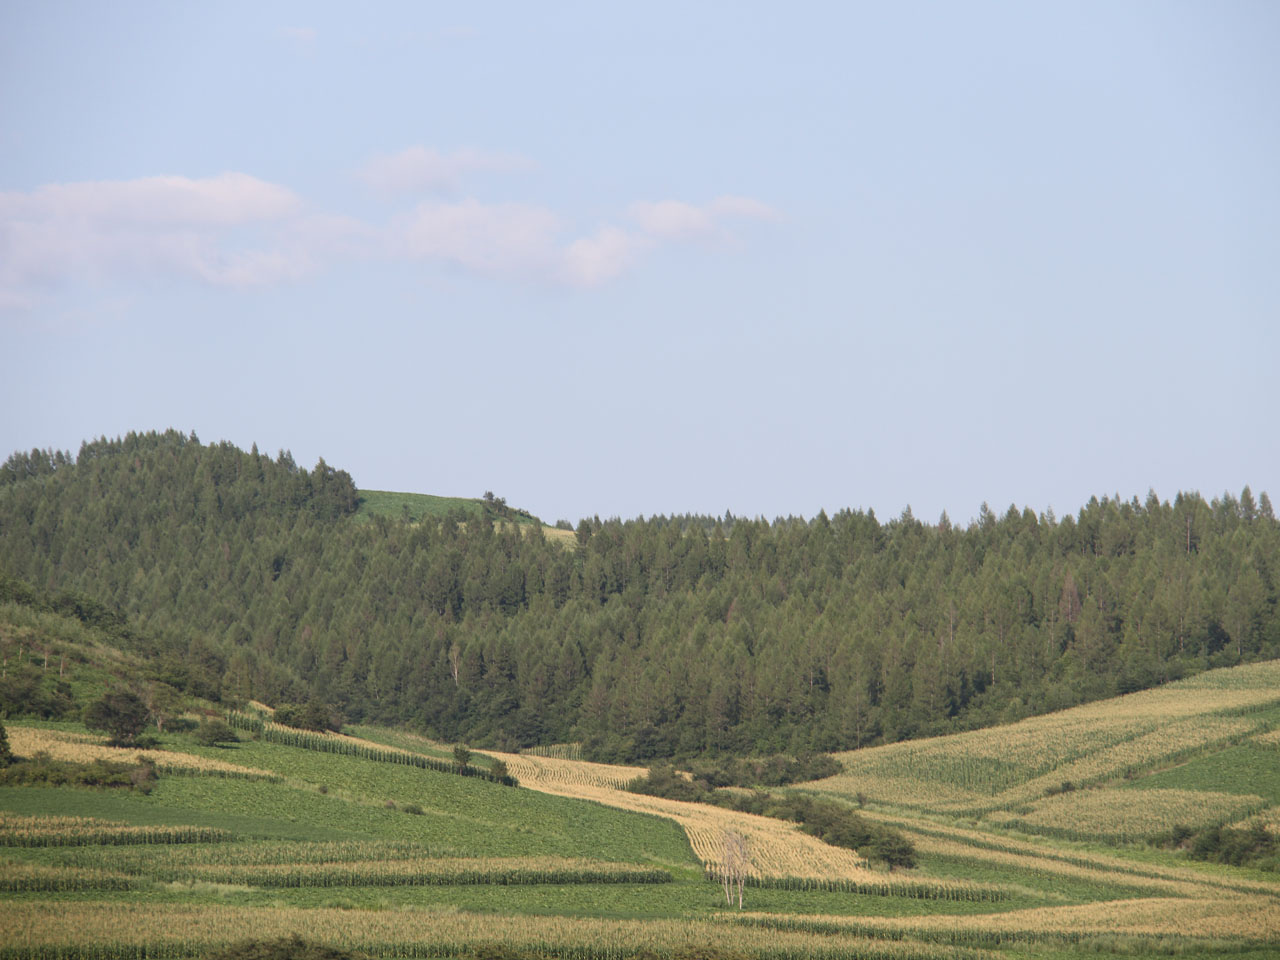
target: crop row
362 749
960 842
920 775
37 877
1164 924
911 890
555 751
397 873
1083 745
254 854
38 931
1129 815
23 831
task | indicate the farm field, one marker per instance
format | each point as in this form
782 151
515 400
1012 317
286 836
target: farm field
359 850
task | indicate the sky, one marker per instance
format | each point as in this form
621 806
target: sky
658 258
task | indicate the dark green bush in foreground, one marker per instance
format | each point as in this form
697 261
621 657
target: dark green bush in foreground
286 948
40 771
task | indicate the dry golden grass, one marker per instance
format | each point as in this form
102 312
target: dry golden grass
1023 861
87 748
33 925
1129 814
1048 857
547 774
1269 739
1246 918
566 538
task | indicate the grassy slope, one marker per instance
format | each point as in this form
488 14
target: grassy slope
423 506
417 506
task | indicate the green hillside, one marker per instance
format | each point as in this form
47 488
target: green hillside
671 637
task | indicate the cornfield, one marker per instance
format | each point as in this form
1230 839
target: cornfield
549 774
39 878
979 771
556 751
356 747
1128 815
960 842
252 854
1253 920
87 748
23 831
121 931
369 873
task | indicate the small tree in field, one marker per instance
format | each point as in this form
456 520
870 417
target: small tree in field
462 755
733 869
120 713
213 731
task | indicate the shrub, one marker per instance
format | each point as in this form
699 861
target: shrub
40 770
315 715
213 731
286 948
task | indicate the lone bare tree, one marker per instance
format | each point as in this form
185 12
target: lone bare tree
734 864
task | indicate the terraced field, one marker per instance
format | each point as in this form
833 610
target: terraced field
1004 768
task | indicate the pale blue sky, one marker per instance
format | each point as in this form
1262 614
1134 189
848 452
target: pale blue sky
621 261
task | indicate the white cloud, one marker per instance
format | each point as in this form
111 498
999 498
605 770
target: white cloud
235 230
97 229
673 220
426 169
225 200
602 256
493 238
303 36
731 206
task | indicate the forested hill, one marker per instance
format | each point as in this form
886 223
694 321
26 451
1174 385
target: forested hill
642 638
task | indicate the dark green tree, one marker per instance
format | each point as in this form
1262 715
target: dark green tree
6 754
120 713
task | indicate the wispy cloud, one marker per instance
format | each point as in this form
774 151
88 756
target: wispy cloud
235 230
196 227
673 220
493 238
418 169
303 36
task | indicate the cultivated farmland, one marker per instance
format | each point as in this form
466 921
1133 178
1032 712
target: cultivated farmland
375 843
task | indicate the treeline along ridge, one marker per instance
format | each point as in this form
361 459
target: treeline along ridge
248 577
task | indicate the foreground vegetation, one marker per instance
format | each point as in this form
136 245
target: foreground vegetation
358 854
